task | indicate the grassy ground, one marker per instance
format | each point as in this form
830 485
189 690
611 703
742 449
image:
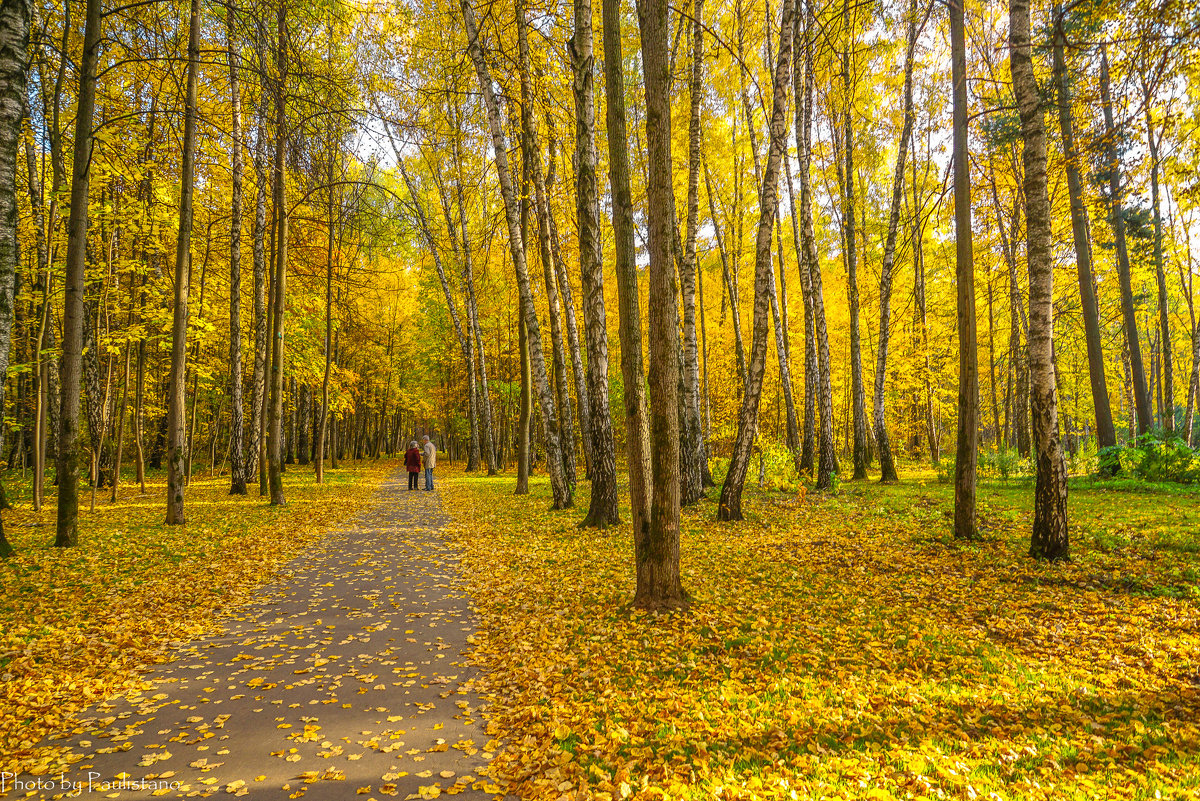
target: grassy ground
845 646
76 624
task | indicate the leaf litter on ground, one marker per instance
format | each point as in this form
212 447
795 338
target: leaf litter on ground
837 647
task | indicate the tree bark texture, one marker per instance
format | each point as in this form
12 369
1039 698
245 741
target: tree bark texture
695 453
595 417
1106 435
237 466
1141 395
637 436
1050 538
279 289
658 579
730 506
560 487
71 363
967 454
887 465
826 456
14 63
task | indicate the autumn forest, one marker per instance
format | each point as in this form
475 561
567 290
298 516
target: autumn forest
755 304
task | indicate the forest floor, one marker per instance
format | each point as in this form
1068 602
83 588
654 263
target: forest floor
837 646
845 647
76 624
343 676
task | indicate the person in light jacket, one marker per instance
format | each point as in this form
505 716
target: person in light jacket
430 451
412 461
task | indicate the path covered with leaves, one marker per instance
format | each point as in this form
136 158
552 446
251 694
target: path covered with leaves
343 678
844 647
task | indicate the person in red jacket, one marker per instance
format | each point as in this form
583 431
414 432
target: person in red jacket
412 460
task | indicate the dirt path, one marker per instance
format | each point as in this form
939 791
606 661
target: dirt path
345 673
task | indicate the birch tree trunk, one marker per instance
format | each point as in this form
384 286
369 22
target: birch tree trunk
694 455
529 149
563 282
637 437
42 362
658 579
921 320
237 466
595 418
323 414
810 344
259 235
730 506
850 241
1049 539
1106 436
827 466
887 464
1164 318
560 487
14 56
73 289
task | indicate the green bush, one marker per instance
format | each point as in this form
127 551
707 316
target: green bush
1155 457
1003 463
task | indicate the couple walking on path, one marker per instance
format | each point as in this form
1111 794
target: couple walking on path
412 461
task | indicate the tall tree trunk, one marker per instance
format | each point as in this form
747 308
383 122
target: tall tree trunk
42 362
850 239
73 307
730 507
279 290
560 487
237 461
563 282
261 343
826 456
542 213
778 302
1049 539
176 446
1164 317
1141 395
887 464
323 415
637 436
658 579
810 345
1017 327
14 63
694 454
1106 436
967 454
595 418
921 317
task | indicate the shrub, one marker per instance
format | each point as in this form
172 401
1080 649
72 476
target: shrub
1155 457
